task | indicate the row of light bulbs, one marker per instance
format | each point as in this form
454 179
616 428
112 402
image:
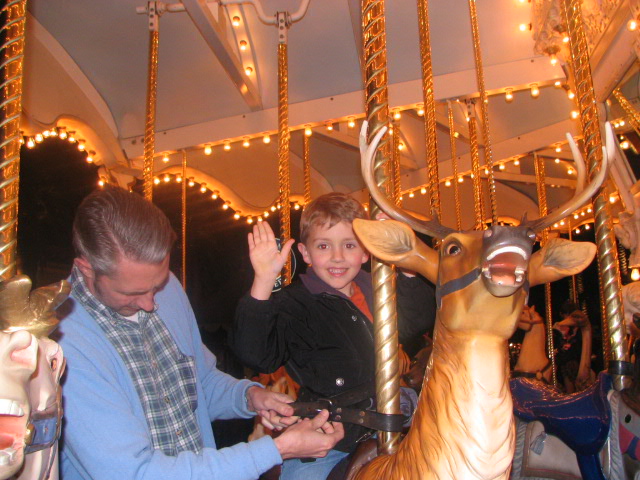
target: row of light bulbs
215 194
62 134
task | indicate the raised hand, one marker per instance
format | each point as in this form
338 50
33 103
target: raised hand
266 259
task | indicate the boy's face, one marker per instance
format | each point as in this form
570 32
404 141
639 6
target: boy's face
335 254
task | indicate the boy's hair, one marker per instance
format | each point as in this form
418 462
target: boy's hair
330 208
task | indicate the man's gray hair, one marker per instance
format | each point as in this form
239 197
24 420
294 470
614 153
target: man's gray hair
111 223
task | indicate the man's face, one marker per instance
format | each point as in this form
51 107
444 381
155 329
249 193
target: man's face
131 287
335 254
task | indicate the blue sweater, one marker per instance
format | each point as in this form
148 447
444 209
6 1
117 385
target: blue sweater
105 434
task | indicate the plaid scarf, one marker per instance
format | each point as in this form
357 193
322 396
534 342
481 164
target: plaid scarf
164 377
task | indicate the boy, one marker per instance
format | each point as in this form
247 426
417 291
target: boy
320 327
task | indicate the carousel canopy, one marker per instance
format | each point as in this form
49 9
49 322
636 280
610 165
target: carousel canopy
86 72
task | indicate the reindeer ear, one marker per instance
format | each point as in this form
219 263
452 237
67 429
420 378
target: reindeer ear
396 243
558 259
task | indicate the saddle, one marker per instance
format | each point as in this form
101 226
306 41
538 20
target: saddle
581 420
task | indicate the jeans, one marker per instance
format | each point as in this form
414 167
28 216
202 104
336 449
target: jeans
294 469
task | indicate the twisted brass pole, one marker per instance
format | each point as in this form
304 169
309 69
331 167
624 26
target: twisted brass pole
307 169
429 109
395 163
184 219
384 282
13 30
484 103
541 187
149 131
606 241
634 116
283 153
475 166
454 163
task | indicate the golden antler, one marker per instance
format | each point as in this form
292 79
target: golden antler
22 309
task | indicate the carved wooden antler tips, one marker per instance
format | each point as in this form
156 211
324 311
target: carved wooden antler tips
34 311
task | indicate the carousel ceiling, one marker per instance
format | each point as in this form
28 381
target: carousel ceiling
86 65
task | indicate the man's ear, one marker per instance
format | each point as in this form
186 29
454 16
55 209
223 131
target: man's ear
305 253
85 268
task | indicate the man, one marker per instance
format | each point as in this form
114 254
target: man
141 390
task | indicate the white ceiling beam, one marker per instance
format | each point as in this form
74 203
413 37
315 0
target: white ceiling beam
214 35
318 111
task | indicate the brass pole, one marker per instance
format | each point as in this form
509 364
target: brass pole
484 103
634 116
543 210
307 169
384 282
395 163
13 31
454 163
475 165
184 219
429 109
605 238
149 131
574 286
283 153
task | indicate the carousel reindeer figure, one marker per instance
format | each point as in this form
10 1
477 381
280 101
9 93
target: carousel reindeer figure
30 394
463 427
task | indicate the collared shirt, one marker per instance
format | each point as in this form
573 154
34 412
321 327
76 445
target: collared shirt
164 378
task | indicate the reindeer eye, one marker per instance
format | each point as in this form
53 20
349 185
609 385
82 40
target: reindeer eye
452 249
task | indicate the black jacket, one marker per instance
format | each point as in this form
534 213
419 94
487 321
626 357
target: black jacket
323 339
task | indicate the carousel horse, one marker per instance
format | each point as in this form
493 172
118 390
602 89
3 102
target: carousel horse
30 394
533 361
463 427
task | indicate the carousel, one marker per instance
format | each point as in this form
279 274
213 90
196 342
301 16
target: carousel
488 128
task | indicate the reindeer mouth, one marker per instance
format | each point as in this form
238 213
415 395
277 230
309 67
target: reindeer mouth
505 269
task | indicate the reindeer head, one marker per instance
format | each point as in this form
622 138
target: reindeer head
482 277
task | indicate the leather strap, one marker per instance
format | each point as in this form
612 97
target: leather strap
366 418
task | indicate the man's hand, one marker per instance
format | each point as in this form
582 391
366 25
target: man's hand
310 437
273 408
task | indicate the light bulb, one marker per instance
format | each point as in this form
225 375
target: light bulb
307 131
249 220
565 39
166 178
571 95
574 114
557 160
191 182
156 180
31 143
248 70
225 206
245 142
460 179
39 137
516 162
587 227
411 195
236 216
535 91
227 146
561 222
203 188
179 179
577 230
420 110
553 60
447 183
397 115
632 25
625 145
329 126
208 150
423 190
214 195
266 138
501 166
351 123
235 21
558 149
635 275
508 96
400 146
557 84
569 171
243 45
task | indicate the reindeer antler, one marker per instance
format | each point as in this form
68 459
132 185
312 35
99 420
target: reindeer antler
429 226
22 309
581 196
